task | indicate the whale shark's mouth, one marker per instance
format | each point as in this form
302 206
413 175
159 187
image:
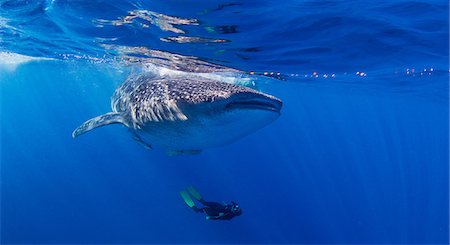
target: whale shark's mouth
256 104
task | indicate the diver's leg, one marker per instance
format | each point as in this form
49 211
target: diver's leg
211 204
197 196
198 210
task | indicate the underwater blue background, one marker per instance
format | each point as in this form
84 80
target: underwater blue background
352 159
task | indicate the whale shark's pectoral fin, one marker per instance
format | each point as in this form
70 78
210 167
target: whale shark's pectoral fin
183 152
140 140
105 119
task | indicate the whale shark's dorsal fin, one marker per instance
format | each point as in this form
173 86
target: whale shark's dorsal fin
102 120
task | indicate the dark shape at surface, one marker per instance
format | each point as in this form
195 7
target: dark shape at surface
242 57
253 49
224 5
226 29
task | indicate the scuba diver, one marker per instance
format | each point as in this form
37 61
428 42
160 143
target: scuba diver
213 210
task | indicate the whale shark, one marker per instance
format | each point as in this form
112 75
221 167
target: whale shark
186 115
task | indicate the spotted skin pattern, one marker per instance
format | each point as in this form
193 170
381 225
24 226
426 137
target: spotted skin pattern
147 99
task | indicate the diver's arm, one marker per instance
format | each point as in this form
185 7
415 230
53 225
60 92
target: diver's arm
215 217
212 217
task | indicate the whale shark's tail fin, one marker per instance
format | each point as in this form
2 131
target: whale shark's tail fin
105 119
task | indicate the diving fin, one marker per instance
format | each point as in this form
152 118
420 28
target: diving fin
194 193
102 120
187 199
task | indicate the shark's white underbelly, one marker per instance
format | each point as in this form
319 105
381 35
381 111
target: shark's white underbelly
198 133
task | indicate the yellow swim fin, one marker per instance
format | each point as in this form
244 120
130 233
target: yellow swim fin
194 192
187 199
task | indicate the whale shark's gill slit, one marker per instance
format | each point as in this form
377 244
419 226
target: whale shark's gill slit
105 119
175 112
158 111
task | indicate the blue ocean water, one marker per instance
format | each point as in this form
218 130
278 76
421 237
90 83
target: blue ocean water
359 155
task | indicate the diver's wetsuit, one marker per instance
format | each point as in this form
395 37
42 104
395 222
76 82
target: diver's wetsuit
215 210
